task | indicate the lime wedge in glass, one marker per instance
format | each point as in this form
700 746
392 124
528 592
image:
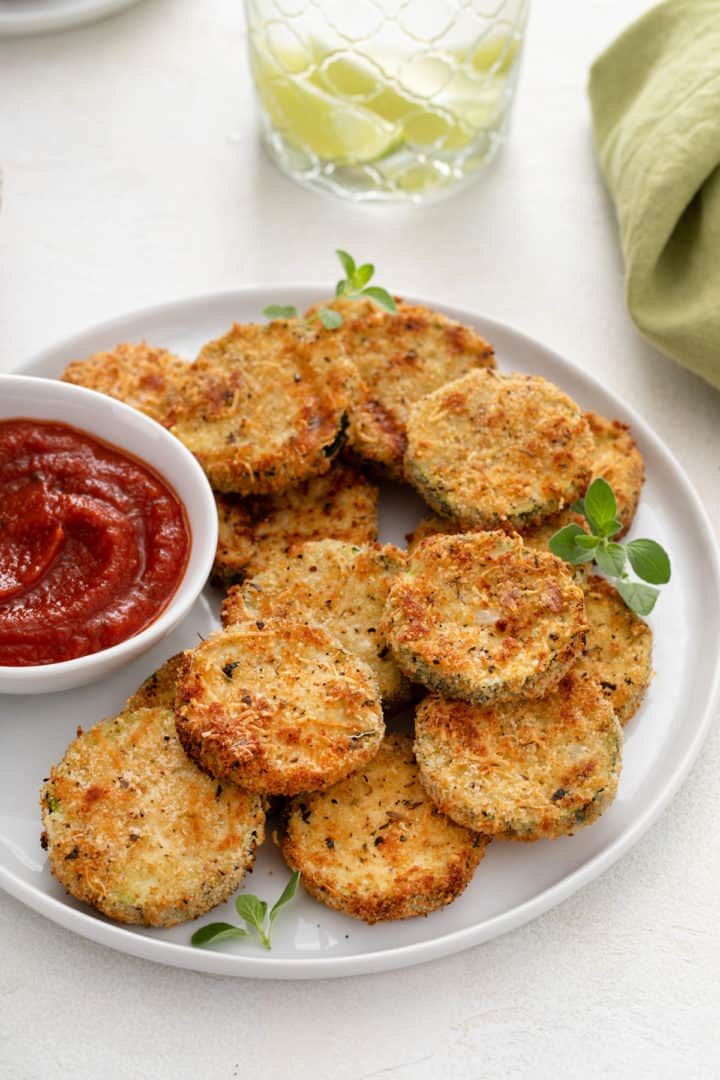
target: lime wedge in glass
332 128
352 113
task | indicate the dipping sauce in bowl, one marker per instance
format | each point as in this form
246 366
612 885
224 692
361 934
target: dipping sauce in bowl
93 543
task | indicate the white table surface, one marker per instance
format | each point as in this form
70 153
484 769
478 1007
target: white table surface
132 176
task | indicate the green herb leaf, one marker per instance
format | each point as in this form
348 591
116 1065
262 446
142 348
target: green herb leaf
611 528
254 912
347 262
285 897
587 542
600 505
610 558
563 545
381 297
251 909
649 560
216 931
53 804
639 598
362 275
277 311
329 318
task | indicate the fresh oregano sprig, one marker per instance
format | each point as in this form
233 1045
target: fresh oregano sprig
255 913
355 283
648 559
353 286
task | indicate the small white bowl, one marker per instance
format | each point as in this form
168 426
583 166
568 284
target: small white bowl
125 428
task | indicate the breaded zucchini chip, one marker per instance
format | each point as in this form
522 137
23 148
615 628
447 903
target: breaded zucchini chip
618 460
618 653
236 543
255 532
375 847
481 618
158 690
340 586
133 827
490 448
278 707
433 525
140 375
401 357
536 537
522 770
265 407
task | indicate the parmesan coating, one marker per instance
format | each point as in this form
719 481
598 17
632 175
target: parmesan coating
522 770
265 407
278 707
375 847
618 653
339 586
401 357
479 617
236 543
489 449
536 537
433 525
133 827
254 532
618 460
140 375
158 690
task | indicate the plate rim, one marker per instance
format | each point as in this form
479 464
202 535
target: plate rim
120 938
29 23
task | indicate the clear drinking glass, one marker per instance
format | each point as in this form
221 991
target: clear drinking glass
385 100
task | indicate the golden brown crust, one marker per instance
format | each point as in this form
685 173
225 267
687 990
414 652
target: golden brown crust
140 375
477 616
489 449
134 828
618 652
265 407
522 770
339 586
255 532
278 707
618 460
536 537
158 690
374 846
401 357
236 544
433 525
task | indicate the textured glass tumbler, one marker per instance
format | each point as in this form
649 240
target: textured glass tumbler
385 100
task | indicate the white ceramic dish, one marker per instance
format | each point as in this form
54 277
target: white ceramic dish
515 882
126 429
22 17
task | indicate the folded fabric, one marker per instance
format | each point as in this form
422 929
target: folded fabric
655 98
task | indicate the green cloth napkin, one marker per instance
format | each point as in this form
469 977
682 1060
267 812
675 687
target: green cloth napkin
655 98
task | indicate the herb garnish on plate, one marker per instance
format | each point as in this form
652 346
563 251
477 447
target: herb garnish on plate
354 286
254 912
648 559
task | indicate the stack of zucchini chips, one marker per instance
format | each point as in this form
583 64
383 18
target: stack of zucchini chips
520 669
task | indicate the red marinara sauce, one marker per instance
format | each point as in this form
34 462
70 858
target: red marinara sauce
93 543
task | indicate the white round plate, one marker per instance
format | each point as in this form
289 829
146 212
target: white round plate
19 17
515 882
